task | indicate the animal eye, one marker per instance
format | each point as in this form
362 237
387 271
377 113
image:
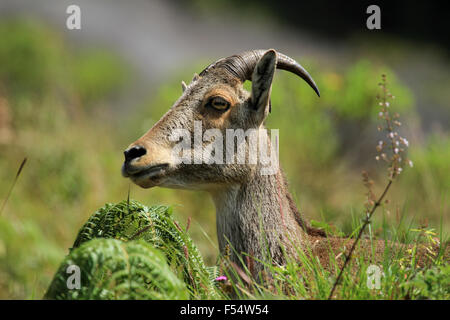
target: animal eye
219 103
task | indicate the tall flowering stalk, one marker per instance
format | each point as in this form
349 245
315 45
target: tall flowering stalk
391 150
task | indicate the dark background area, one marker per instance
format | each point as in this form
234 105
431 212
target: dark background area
426 21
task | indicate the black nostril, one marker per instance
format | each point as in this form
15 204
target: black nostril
134 152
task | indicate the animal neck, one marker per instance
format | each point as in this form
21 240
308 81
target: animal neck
258 217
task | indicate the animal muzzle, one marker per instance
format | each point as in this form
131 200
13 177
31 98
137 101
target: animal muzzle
145 164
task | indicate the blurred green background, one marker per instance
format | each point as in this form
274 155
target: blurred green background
72 107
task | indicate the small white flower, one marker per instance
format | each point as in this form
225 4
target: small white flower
405 142
411 164
391 135
396 150
387 104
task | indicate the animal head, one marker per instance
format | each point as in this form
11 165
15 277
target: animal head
215 101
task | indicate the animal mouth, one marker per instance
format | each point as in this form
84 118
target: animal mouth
150 172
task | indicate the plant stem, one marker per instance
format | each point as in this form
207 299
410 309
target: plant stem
363 227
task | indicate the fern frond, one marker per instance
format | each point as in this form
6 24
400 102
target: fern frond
113 269
131 221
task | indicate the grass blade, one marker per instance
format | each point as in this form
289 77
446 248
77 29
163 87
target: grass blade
13 184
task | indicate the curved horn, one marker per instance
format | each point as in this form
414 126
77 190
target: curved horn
241 66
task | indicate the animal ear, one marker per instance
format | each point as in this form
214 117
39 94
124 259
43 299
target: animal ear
262 80
183 86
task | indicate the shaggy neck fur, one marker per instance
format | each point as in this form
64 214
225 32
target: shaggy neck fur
258 217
